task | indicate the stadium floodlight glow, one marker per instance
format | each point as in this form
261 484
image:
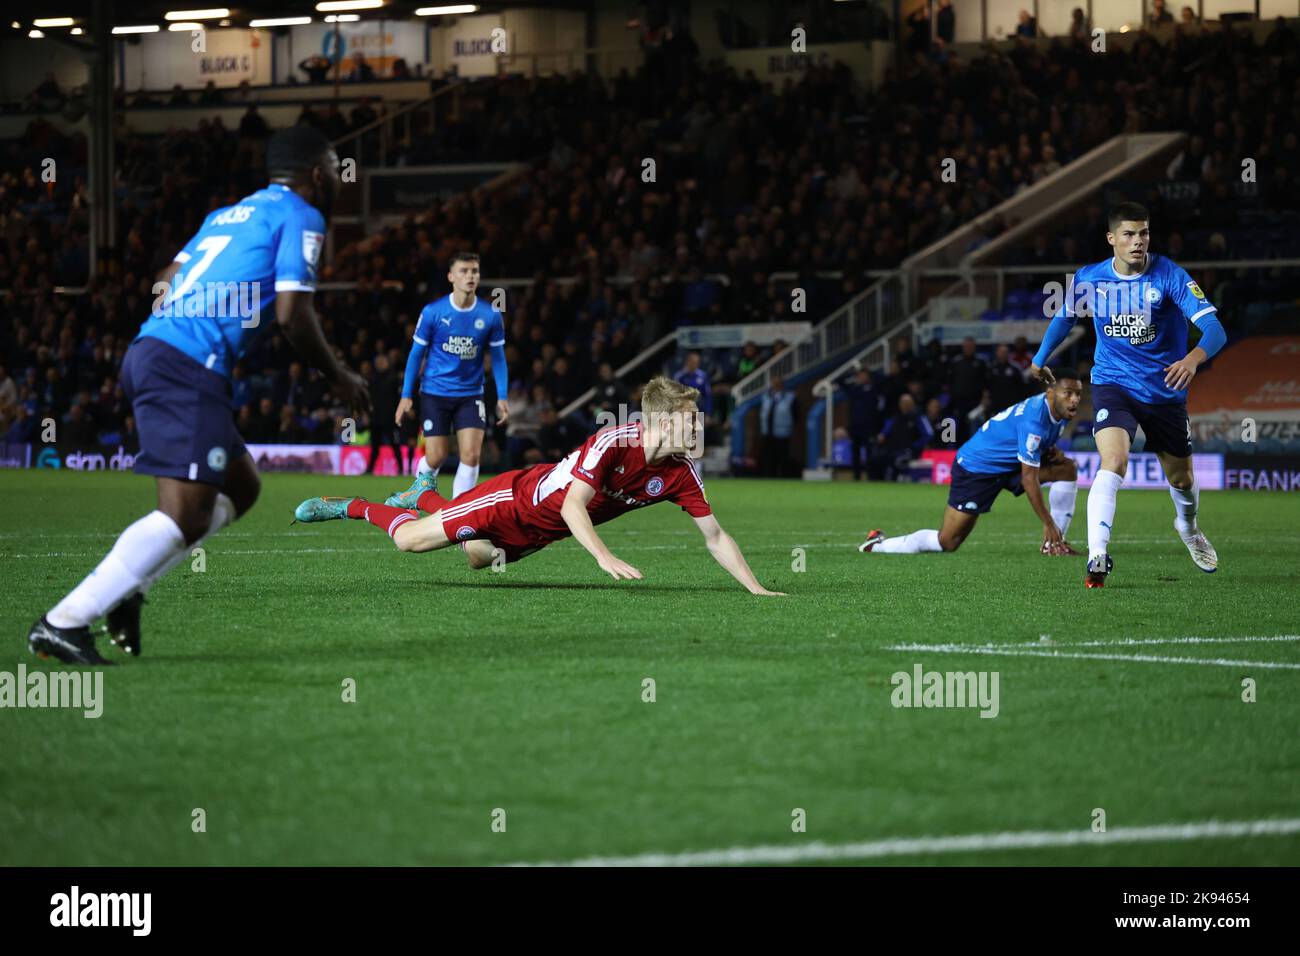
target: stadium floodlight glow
280 22
184 27
342 18
215 13
36 34
447 10
54 22
327 5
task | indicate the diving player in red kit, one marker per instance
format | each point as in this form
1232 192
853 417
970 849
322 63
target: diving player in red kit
519 512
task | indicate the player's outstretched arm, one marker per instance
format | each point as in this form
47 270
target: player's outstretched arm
1034 494
574 513
726 552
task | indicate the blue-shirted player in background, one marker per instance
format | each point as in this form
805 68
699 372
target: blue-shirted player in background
1015 451
176 373
1140 304
450 339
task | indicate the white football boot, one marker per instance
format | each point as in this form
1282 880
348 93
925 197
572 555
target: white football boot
1203 554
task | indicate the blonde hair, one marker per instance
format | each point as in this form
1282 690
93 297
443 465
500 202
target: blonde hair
662 396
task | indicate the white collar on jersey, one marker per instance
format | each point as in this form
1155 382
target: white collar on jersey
1119 275
451 301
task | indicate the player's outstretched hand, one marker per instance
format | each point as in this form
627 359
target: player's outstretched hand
1052 535
353 390
618 569
1179 375
503 411
404 408
1042 374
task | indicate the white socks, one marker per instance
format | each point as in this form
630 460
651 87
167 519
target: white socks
425 467
466 478
1101 511
1060 501
914 543
223 512
140 553
1186 504
144 552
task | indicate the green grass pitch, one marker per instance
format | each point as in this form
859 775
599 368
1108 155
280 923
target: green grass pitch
522 691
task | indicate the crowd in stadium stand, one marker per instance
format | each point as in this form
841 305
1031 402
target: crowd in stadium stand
747 181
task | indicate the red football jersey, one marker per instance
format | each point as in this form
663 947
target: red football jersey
613 462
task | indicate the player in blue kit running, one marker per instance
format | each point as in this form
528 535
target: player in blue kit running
262 250
1015 451
450 339
1140 304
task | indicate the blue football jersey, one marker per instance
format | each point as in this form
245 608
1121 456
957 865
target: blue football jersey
1141 324
1013 437
230 273
452 341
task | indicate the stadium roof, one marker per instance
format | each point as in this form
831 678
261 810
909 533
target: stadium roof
154 12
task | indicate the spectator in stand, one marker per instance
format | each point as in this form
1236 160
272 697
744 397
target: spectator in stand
1026 25
47 96
1006 382
610 405
22 430
385 390
968 375
1021 355
1080 31
910 365
317 68
777 418
1188 20
749 360
901 440
981 413
943 427
866 406
78 429
691 374
361 71
400 70
557 436
8 391
1159 16
945 22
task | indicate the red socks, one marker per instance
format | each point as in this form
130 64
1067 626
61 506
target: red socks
381 516
432 502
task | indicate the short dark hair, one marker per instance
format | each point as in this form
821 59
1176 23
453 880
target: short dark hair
1061 374
295 150
462 257
1126 212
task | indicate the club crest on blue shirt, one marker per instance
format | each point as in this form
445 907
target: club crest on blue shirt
1032 442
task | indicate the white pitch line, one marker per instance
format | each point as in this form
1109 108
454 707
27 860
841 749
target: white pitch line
1013 651
929 845
1147 641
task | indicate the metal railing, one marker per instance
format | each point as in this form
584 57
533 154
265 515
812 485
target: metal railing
858 320
385 123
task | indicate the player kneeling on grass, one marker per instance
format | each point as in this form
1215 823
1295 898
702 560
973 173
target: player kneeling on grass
1015 450
511 516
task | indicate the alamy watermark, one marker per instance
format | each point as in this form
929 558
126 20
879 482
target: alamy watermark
79 690
922 688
